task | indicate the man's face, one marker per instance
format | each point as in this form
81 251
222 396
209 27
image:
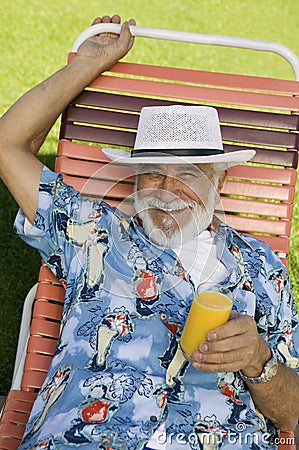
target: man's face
176 201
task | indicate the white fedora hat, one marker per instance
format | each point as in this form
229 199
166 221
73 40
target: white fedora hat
168 134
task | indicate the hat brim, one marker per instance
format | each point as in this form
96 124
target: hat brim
230 158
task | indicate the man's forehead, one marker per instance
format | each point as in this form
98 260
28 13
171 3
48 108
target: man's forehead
179 166
143 168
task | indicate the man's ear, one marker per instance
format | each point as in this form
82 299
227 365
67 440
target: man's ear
222 179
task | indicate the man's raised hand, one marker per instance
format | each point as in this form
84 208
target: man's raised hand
108 48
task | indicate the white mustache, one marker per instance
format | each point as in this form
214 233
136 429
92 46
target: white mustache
174 205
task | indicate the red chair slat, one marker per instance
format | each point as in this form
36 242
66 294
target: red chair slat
48 310
250 224
33 380
281 210
47 276
44 327
237 81
100 135
40 344
50 291
247 82
81 151
103 117
264 174
99 188
37 362
12 430
279 244
93 153
259 190
19 401
269 156
95 170
9 442
15 417
260 137
186 92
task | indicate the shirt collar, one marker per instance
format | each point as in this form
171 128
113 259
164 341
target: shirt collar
226 233
228 243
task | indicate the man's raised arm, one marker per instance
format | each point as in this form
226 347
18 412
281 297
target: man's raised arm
26 124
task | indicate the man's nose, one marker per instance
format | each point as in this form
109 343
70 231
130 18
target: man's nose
170 189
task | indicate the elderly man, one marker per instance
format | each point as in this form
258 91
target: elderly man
118 379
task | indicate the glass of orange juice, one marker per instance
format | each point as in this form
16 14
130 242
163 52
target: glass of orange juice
210 308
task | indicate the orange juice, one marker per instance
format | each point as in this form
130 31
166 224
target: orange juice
208 311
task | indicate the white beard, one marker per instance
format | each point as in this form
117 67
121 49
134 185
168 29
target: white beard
201 217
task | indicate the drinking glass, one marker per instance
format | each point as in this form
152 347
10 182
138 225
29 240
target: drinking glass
210 309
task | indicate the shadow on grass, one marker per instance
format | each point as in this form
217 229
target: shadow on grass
19 271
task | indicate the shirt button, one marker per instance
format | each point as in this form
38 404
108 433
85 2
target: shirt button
153 419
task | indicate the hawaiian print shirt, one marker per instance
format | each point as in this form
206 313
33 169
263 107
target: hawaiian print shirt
118 372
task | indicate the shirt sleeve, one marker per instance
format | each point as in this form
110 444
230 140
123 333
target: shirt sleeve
57 202
287 338
277 305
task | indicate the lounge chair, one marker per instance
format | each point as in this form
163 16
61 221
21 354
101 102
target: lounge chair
257 198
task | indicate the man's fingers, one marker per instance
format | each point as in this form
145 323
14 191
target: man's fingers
106 19
100 20
229 347
132 22
116 18
231 343
237 325
113 19
96 20
125 33
222 362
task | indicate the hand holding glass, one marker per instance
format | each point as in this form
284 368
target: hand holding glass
210 309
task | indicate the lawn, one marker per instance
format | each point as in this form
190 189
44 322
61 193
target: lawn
35 38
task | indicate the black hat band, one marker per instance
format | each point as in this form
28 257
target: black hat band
176 152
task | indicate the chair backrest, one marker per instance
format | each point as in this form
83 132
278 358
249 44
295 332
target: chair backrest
255 112
257 197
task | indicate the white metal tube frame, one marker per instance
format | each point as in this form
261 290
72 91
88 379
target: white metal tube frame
196 38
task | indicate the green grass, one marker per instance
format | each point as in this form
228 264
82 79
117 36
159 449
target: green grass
35 38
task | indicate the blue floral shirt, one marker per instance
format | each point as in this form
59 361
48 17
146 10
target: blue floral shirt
118 372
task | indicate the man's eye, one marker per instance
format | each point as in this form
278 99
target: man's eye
154 174
188 176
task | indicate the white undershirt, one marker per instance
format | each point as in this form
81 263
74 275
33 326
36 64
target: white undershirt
199 258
